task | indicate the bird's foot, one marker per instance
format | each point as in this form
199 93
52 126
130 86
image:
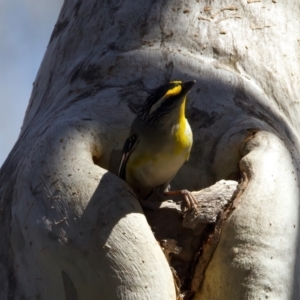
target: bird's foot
189 199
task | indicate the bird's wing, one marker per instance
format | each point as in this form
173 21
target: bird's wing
128 147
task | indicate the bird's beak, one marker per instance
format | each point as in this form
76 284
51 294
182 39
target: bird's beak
186 86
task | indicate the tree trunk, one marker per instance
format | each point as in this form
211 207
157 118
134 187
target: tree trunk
71 229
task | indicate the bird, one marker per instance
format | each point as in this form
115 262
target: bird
159 143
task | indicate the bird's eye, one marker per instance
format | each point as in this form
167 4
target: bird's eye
168 103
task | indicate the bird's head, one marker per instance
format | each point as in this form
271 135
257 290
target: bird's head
166 102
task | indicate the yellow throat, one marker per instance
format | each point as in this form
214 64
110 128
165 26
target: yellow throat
183 134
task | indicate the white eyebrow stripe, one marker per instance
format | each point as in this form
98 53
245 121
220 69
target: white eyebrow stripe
156 105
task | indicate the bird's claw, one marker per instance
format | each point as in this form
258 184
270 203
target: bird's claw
189 199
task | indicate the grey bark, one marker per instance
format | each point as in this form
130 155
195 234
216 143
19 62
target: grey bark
73 230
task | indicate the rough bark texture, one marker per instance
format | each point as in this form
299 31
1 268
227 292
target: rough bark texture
189 237
68 223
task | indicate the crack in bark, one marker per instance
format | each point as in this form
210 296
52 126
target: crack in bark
189 238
